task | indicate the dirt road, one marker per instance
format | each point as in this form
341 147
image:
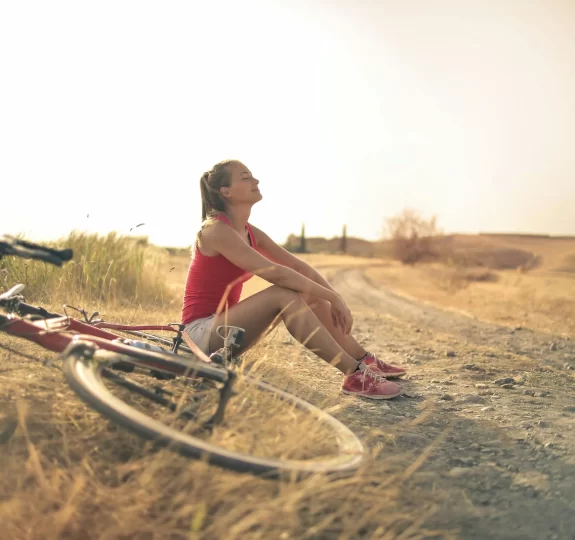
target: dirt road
495 403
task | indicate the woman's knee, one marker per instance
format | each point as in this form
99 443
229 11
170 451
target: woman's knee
319 304
284 296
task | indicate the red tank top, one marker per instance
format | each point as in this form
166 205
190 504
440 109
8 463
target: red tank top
207 280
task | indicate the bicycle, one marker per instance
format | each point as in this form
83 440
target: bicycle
94 358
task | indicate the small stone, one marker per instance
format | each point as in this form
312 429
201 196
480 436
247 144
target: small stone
446 397
471 367
473 399
559 435
487 409
508 386
553 346
543 423
458 472
505 380
450 354
474 446
480 385
414 438
416 358
569 408
542 394
487 393
435 381
517 328
529 392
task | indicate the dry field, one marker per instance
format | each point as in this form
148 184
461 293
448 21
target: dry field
460 454
542 298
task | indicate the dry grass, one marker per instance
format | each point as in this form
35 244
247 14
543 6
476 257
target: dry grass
105 270
68 473
541 300
508 279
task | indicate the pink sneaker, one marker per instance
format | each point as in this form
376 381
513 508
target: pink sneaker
371 384
385 369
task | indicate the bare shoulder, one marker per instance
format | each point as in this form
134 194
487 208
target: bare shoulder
211 231
223 240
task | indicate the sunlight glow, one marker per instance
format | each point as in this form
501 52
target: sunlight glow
346 113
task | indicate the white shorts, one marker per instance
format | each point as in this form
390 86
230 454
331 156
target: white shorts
200 330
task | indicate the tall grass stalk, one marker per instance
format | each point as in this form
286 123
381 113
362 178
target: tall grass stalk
113 269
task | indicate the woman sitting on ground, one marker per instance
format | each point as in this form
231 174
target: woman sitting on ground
229 250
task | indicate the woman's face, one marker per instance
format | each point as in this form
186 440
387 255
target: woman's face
243 186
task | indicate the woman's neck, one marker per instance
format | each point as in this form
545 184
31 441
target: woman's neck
239 216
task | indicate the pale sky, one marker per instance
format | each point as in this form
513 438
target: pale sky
346 111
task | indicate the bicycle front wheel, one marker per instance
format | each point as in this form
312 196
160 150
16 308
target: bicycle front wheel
264 430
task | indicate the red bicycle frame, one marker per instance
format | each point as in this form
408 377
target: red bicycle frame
56 334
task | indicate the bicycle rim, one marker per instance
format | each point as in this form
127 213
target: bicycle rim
85 377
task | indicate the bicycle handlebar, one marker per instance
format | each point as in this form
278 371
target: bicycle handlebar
27 250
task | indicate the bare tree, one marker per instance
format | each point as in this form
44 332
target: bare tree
413 237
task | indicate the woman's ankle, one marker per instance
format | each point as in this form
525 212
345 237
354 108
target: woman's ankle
346 364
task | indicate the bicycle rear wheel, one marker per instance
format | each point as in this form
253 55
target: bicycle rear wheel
265 431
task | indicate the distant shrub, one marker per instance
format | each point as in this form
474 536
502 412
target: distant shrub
452 280
500 258
568 264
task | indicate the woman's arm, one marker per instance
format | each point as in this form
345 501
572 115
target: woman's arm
226 241
278 254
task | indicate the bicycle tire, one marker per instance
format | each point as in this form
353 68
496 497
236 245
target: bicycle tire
85 378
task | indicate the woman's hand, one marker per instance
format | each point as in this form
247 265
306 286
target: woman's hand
340 314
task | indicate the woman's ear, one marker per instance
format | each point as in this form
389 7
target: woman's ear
225 192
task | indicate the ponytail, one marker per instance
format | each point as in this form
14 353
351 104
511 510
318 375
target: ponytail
204 191
210 183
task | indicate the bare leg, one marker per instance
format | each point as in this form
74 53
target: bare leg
322 309
256 313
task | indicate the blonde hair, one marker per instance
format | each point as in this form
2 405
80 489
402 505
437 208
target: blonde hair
210 183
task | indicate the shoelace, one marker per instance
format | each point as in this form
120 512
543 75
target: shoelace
374 375
378 361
